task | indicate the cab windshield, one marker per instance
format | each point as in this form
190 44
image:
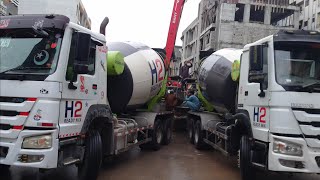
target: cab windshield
24 51
298 66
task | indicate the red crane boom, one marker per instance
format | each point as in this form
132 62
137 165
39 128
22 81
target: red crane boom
173 30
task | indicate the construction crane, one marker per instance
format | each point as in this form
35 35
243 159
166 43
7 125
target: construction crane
173 30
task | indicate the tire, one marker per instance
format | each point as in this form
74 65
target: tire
157 135
5 172
145 146
191 131
198 136
167 132
91 163
246 169
4 168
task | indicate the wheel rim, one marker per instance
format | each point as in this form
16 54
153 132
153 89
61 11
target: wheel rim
190 132
196 135
169 133
159 135
238 158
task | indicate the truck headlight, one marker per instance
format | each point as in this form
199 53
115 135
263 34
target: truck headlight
37 142
287 148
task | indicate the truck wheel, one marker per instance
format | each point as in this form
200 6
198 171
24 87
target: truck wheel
167 132
90 166
157 135
145 146
191 131
246 169
198 136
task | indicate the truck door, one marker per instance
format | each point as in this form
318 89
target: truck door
76 101
250 97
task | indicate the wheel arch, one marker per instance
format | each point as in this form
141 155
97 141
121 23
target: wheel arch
243 123
100 117
194 117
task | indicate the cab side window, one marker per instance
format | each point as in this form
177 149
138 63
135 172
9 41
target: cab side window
264 69
92 58
72 56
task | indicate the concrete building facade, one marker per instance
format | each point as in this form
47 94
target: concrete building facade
8 7
3 8
74 9
175 63
309 15
190 38
235 23
240 22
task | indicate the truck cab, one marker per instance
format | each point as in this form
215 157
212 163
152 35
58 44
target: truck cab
54 104
279 90
52 72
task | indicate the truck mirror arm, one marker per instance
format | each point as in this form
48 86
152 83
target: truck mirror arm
73 79
262 94
72 86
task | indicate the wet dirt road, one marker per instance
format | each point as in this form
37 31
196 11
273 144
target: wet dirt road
178 161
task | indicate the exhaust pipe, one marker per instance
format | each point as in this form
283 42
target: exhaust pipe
103 25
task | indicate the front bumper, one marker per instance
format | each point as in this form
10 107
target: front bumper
308 159
15 151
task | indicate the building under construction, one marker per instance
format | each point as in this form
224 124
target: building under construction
234 23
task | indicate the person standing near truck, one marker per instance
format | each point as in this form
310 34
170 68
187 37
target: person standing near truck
171 100
192 101
184 72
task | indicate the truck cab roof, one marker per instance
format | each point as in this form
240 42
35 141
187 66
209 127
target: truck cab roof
44 21
290 36
29 21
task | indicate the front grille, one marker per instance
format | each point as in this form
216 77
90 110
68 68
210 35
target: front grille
12 99
318 160
3 151
5 127
8 113
314 124
309 111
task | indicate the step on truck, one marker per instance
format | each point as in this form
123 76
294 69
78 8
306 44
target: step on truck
262 103
63 102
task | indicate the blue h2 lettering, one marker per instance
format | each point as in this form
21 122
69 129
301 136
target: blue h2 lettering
154 73
256 114
69 108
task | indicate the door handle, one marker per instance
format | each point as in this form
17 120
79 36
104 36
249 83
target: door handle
246 93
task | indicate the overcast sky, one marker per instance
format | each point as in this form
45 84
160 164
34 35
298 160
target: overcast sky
145 21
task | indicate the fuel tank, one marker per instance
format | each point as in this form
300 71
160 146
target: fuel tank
215 80
141 79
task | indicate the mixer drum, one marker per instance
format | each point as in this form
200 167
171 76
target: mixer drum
215 79
141 80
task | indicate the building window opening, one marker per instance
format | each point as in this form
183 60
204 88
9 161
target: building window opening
283 18
257 14
239 12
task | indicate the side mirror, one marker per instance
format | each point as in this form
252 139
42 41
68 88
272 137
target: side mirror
256 77
83 45
256 58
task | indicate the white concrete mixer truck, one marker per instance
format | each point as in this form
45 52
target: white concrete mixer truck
263 104
63 102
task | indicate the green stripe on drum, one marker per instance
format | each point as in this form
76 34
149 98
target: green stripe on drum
115 63
235 73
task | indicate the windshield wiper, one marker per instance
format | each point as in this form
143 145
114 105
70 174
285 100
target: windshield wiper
23 68
13 69
311 84
311 87
40 31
